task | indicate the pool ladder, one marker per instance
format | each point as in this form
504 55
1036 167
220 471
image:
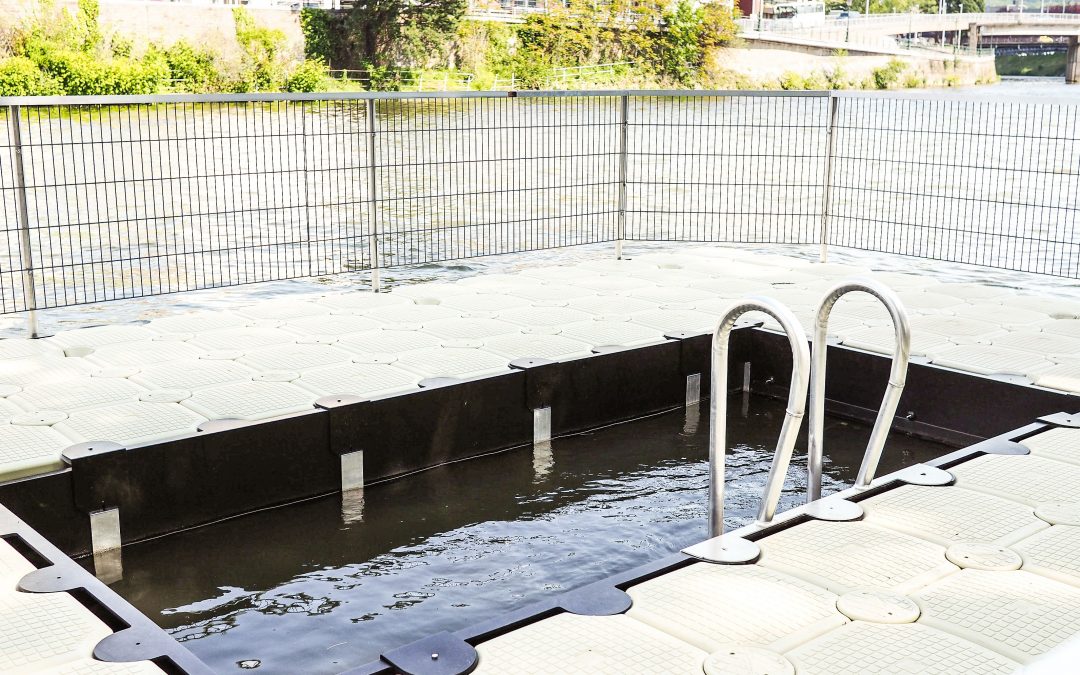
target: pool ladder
806 374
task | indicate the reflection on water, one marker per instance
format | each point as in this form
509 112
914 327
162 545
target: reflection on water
304 589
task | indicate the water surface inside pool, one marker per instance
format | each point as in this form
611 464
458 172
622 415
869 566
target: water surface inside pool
322 586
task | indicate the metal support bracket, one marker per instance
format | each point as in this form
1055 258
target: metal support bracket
726 550
598 599
352 471
1062 419
439 654
834 509
541 425
693 389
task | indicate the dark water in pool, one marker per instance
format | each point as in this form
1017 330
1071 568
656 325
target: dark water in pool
303 589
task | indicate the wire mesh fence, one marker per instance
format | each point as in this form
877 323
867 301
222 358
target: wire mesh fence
126 197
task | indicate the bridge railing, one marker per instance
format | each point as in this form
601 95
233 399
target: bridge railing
117 197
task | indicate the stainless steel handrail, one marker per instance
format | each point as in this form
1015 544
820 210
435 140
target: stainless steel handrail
897 376
796 407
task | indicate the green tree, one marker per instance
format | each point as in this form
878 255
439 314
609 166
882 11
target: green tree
679 50
383 32
261 48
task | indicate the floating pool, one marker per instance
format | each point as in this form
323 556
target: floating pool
322 586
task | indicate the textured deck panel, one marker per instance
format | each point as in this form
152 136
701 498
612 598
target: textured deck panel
43 370
143 353
246 338
281 310
1060 443
1053 552
1020 614
990 359
411 315
199 322
1029 479
676 320
358 379
336 324
882 340
612 333
546 317
484 302
862 648
388 341
130 423
99 336
39 631
848 556
294 357
954 327
25 451
469 329
452 362
576 645
92 667
1013 318
76 393
191 374
13 567
607 305
1064 376
362 300
250 400
520 345
1041 342
770 606
947 515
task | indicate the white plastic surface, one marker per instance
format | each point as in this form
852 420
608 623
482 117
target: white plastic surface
39 631
569 644
28 450
294 357
243 338
1029 479
452 362
1060 443
520 345
991 359
130 423
191 374
612 333
250 400
358 379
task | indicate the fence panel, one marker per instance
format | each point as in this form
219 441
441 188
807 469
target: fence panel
738 168
466 177
969 181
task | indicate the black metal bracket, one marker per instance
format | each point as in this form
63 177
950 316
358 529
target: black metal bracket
439 654
599 599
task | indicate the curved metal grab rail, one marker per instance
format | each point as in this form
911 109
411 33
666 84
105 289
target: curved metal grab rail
796 407
897 376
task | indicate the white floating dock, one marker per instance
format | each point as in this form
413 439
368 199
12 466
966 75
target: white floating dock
137 384
978 577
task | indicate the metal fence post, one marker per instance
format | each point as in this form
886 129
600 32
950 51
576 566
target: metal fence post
826 202
624 109
29 288
373 211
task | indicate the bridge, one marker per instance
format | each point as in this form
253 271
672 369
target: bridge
881 30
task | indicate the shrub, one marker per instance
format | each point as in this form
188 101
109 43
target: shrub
19 76
195 68
307 77
318 41
887 76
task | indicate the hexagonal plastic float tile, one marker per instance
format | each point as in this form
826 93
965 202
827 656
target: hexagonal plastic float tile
1038 342
77 393
1013 319
543 317
363 300
250 400
412 315
1055 308
612 284
25 451
46 631
143 353
991 359
280 310
484 302
199 322
42 370
498 282
552 294
558 272
972 292
676 320
8 410
358 379
1018 613
469 329
294 357
663 295
612 333
948 515
603 645
1029 479
667 277
252 337
732 288
1058 443
860 647
848 556
1070 327
191 374
882 340
452 362
899 281
18 348
955 327
430 293
387 341
334 325
761 606
928 302
1054 553
610 305
519 346
98 336
130 423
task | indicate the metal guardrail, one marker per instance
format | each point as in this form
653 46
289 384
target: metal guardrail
116 197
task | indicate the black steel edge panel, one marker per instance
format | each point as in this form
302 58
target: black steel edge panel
136 638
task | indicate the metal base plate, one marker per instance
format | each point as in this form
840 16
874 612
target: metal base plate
725 549
834 509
